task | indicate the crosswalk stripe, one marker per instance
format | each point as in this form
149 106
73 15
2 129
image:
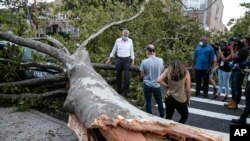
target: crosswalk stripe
209 101
243 89
213 114
209 92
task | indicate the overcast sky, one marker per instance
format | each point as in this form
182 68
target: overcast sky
232 9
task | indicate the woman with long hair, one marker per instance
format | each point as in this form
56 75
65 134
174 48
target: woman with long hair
176 79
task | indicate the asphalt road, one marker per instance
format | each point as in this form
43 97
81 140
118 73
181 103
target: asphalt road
209 114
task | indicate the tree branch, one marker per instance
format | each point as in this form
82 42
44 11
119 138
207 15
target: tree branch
36 81
57 44
33 64
54 52
42 66
112 67
33 95
93 36
158 40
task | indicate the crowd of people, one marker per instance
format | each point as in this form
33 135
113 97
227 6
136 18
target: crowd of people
228 58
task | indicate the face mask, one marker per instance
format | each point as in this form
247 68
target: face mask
124 38
200 43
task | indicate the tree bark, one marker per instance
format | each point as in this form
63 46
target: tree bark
97 105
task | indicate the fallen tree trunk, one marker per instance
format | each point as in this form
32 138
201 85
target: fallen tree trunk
97 105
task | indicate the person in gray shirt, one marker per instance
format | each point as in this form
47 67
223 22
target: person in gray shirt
151 69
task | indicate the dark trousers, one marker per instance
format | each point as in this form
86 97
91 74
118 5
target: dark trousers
201 77
236 81
247 109
122 64
172 104
148 91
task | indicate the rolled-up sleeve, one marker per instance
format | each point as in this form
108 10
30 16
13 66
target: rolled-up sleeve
112 54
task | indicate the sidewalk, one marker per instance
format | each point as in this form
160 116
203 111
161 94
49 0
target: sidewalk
32 126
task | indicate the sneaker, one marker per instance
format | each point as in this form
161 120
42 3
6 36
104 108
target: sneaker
239 121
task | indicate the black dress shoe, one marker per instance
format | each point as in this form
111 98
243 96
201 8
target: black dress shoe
239 121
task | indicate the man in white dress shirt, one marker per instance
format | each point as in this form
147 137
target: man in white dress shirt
123 50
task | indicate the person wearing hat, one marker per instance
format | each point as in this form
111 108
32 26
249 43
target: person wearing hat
151 69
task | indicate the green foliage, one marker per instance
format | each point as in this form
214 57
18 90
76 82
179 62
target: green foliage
23 104
136 92
162 23
52 106
175 36
67 42
242 25
9 71
13 19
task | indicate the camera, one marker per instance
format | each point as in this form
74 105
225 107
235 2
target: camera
221 44
237 42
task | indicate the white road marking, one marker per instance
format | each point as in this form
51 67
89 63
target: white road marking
209 101
210 86
214 114
209 92
211 114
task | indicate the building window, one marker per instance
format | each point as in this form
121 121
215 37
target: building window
195 4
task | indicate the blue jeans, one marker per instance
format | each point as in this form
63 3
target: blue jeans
223 81
236 82
157 94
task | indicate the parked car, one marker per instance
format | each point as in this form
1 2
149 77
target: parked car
26 57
